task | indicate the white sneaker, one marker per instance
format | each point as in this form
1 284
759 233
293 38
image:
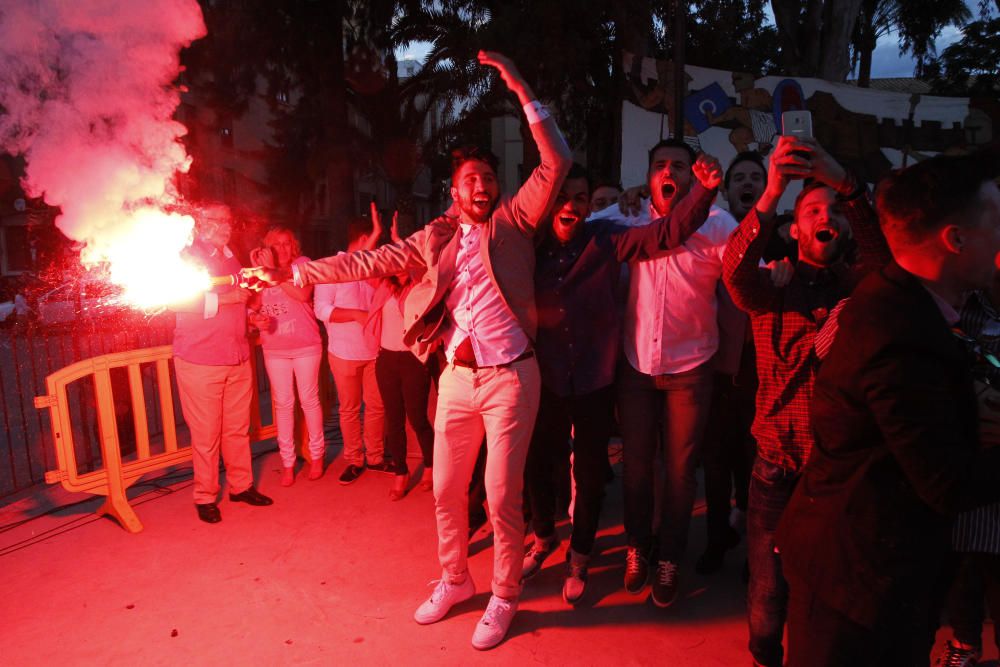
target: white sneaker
444 597
493 626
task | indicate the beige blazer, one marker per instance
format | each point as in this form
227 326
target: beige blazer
507 248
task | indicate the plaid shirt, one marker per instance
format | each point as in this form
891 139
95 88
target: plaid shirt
785 321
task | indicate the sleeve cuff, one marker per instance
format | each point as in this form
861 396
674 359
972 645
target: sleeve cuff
211 305
323 311
535 112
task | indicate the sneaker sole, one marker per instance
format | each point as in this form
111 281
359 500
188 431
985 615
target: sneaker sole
487 647
663 605
431 620
638 591
494 644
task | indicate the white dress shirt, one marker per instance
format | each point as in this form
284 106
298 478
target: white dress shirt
476 309
347 340
670 315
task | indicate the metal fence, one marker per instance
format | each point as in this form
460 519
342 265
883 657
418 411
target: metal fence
29 353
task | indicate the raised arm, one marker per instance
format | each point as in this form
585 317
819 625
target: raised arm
671 231
750 287
539 192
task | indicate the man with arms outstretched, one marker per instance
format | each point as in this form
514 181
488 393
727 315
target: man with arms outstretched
475 304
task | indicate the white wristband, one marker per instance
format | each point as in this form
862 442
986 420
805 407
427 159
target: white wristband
296 276
535 112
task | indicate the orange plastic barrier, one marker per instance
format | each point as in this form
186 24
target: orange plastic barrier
116 476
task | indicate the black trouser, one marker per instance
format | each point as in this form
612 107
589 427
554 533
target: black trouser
978 579
404 384
589 418
728 449
676 407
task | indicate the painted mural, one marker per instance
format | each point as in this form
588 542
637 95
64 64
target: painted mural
871 131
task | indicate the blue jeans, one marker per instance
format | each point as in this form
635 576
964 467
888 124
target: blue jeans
771 488
676 407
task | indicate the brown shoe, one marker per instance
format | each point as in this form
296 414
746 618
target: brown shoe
427 479
315 469
399 485
287 475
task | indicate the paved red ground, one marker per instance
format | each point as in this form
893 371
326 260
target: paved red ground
327 575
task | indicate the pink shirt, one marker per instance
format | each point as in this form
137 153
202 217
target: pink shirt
392 326
347 340
216 336
291 331
670 316
477 310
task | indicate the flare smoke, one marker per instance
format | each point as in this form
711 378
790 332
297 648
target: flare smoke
87 97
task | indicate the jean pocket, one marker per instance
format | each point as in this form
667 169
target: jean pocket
767 472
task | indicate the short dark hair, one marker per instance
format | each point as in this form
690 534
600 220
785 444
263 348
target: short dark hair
357 227
672 143
577 170
608 183
745 156
808 185
919 200
463 154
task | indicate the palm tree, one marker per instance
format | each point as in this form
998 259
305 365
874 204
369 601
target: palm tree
916 22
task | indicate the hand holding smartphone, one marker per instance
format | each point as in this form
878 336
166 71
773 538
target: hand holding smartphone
798 124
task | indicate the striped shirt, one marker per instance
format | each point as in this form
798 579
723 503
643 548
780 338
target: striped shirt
979 530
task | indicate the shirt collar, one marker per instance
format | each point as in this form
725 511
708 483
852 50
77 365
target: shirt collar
947 310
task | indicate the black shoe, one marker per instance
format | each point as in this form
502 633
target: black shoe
351 474
710 562
208 512
383 467
636 570
251 497
665 584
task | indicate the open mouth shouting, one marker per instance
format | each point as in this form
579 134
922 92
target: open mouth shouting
567 219
482 203
747 197
827 234
668 190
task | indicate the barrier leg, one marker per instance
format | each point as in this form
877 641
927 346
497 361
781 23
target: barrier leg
118 508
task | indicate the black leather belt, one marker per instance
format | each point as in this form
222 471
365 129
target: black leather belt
528 354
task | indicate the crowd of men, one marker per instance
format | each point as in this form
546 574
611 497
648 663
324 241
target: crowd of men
830 391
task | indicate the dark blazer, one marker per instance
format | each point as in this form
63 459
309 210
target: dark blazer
896 456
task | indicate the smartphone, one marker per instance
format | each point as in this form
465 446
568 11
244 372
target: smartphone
797 123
